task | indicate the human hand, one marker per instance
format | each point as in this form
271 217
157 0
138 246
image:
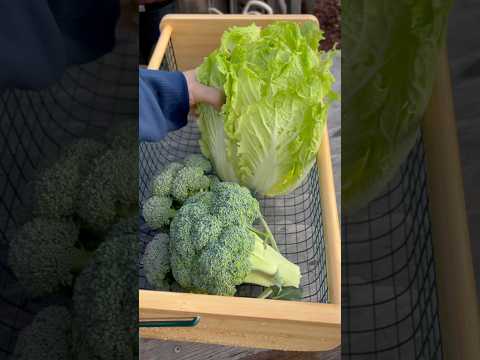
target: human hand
198 93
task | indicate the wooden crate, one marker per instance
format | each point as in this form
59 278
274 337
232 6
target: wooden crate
248 322
457 298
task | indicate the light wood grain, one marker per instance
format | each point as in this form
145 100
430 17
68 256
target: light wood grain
160 48
268 324
237 321
458 303
331 222
196 36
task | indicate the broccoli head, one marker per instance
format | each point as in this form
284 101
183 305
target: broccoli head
105 308
162 182
156 261
214 247
43 255
157 211
197 160
110 190
56 188
188 182
48 337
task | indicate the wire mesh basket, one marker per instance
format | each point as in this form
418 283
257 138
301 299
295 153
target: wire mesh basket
390 305
297 220
34 126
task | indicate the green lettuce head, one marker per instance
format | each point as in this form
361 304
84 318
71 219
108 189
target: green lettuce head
278 89
389 64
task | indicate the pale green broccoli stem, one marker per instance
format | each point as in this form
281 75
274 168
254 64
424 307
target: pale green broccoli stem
269 236
265 293
270 268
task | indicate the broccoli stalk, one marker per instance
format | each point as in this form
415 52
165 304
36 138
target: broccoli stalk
269 268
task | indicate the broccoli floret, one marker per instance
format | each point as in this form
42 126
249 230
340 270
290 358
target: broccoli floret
83 151
105 308
48 337
234 203
197 160
156 261
56 188
188 182
157 211
162 182
127 226
110 190
214 180
43 255
214 247
124 135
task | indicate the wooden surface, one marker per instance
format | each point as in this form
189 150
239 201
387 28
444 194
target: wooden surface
270 324
160 48
464 58
459 315
196 36
330 220
289 355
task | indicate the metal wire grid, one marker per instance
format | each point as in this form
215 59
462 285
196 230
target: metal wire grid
295 219
33 127
390 305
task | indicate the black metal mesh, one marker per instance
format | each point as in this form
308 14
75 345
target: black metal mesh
34 125
295 219
389 305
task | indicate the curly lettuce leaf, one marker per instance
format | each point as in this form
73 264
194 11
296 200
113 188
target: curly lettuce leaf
278 90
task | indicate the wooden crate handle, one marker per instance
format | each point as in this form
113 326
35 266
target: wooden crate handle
458 304
330 218
246 322
160 48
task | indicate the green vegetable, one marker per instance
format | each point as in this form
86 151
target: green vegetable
214 247
188 182
172 186
162 182
393 47
43 255
156 261
48 337
110 190
278 91
56 188
105 304
157 212
197 160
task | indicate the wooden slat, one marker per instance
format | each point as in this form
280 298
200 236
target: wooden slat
160 48
246 322
331 222
196 36
458 303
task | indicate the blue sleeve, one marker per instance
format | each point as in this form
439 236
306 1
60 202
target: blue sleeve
163 103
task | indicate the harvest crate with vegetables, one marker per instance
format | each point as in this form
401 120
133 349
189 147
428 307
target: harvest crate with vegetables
241 223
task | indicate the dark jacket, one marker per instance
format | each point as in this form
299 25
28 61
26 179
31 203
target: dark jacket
163 103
